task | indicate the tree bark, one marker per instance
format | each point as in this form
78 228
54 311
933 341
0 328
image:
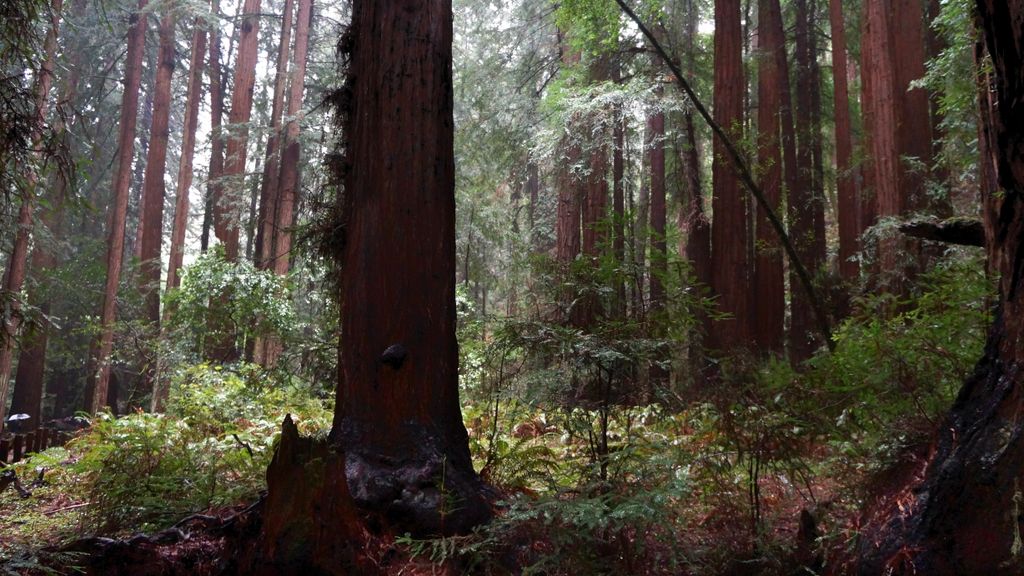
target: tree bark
768 271
291 151
216 170
269 188
14 277
397 415
226 219
154 190
100 364
846 185
964 516
730 270
188 148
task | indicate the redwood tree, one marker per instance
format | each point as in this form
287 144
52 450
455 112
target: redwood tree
397 415
154 190
14 276
847 205
100 362
963 516
729 275
225 210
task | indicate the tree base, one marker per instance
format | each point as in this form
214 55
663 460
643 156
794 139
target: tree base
964 515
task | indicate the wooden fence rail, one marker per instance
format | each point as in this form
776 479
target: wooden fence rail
14 447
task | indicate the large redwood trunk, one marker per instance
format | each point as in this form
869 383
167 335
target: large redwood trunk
397 416
14 277
152 212
226 215
964 517
730 271
883 108
656 159
100 364
772 75
271 165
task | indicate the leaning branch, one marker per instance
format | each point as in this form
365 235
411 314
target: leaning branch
745 176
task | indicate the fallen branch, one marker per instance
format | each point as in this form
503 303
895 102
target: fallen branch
66 508
746 177
960 231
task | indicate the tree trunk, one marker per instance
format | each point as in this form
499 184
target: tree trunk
729 275
100 364
216 171
803 201
656 159
619 204
884 111
847 205
269 187
397 415
291 151
768 271
152 213
14 277
964 516
188 148
226 219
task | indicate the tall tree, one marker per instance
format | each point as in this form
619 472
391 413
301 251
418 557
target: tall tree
226 207
397 415
100 362
963 515
14 277
291 150
656 160
805 203
214 185
154 190
188 148
772 96
847 205
271 165
729 276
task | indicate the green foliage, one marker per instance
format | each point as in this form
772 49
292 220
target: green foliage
221 300
146 471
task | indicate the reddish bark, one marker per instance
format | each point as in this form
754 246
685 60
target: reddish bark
963 515
847 209
226 221
804 202
271 165
880 94
100 363
188 147
730 270
769 277
291 150
14 277
619 206
913 128
397 415
153 193
214 186
656 158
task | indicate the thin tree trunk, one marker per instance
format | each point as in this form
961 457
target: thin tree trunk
269 184
226 221
100 364
188 148
291 150
154 190
214 185
847 205
14 277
